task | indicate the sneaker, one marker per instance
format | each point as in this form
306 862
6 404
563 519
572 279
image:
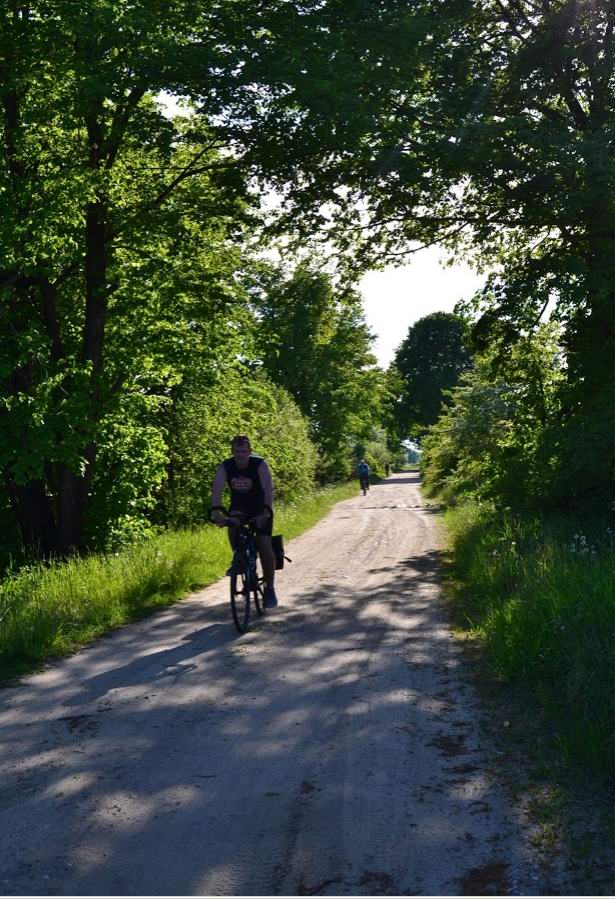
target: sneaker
269 598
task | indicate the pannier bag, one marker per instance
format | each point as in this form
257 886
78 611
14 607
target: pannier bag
277 543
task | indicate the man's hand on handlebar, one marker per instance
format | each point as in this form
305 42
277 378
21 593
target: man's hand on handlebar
218 517
261 520
223 519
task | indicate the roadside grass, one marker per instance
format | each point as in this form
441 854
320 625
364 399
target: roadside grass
48 611
540 595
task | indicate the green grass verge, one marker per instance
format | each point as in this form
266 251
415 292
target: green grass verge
541 595
48 611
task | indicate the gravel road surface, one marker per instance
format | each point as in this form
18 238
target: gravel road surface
333 750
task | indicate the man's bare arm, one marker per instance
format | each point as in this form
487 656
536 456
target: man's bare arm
216 490
266 483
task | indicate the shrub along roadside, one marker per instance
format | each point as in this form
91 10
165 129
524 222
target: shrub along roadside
541 594
49 611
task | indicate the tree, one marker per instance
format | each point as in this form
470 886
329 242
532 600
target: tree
313 341
430 360
87 160
496 439
177 317
485 127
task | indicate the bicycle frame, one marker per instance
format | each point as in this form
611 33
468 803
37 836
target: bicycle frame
245 551
245 582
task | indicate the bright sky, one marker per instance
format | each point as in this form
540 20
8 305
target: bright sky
397 297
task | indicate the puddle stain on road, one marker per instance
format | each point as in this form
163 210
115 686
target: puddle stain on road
487 880
450 745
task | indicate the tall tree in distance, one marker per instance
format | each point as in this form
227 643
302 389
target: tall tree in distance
313 340
430 361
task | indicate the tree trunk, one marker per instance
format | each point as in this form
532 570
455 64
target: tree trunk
72 503
33 510
74 488
592 358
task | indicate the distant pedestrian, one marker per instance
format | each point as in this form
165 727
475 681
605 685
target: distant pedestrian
387 469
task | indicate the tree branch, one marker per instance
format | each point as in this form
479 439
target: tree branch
50 317
511 22
120 121
188 172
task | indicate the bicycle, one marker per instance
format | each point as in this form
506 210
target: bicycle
365 484
245 582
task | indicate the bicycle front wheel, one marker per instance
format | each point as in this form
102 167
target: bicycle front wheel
258 599
240 601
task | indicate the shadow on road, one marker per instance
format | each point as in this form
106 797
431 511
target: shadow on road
155 665
320 686
396 480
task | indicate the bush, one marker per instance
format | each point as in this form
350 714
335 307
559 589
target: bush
240 402
495 440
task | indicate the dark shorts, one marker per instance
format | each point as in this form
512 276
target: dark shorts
267 528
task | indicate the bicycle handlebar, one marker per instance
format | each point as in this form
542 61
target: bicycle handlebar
238 518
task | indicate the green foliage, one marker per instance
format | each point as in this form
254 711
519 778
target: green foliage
494 440
541 593
131 470
486 128
111 213
583 444
430 362
314 342
120 284
203 423
375 451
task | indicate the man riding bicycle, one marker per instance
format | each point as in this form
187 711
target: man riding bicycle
249 480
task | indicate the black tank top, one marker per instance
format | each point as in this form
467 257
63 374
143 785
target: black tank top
247 494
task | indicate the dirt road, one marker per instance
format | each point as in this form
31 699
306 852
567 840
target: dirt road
332 750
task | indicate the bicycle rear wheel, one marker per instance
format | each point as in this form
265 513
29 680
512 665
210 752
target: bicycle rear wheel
240 601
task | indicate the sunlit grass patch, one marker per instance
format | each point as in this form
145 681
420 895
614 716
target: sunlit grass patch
50 610
541 594
293 519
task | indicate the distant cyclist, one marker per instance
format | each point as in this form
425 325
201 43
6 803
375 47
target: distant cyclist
249 480
363 473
